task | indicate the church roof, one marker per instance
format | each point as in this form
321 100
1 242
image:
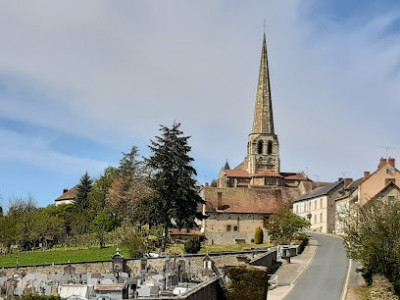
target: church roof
263 117
254 201
296 177
236 173
226 166
267 174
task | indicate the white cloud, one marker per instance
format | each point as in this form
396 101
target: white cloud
36 151
114 72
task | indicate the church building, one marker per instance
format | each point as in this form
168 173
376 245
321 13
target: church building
243 198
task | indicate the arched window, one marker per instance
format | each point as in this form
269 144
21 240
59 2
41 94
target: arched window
269 147
260 147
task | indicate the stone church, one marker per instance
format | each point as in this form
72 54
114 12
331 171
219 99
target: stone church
243 198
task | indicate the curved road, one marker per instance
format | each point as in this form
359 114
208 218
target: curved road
324 278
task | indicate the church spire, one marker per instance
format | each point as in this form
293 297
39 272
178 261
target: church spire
263 117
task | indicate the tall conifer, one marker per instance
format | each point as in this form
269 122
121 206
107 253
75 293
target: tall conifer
173 180
83 190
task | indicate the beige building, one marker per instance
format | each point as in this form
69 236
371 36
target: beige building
381 185
234 214
318 206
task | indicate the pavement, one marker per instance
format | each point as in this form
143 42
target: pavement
289 273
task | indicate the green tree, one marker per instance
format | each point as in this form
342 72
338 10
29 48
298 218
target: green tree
102 224
99 193
284 225
83 190
192 246
173 180
372 238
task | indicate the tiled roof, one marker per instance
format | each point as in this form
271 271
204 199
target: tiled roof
236 173
257 201
267 174
69 195
296 177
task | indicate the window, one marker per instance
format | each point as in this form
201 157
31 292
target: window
235 228
320 203
269 149
390 180
228 228
315 219
265 221
391 198
320 218
315 204
260 147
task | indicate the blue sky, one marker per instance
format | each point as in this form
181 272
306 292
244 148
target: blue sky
81 82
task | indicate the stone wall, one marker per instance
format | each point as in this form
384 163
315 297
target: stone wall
193 261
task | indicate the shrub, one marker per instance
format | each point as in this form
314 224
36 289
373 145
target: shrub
247 283
302 237
259 236
192 246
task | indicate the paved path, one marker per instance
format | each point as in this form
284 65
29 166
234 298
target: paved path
288 274
325 277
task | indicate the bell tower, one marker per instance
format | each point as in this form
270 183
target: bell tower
263 144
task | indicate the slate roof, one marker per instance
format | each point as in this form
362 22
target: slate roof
355 184
386 187
320 191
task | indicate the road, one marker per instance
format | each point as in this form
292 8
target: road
324 278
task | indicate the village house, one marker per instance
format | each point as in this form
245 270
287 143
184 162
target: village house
318 205
381 185
67 197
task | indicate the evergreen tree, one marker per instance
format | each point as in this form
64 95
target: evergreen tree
173 180
129 165
83 190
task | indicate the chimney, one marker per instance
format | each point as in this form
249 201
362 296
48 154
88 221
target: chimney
391 162
366 175
382 163
65 190
347 182
219 200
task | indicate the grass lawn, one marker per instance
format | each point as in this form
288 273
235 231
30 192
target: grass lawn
77 254
60 255
232 247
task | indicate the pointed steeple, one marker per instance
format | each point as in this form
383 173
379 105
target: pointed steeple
263 143
263 117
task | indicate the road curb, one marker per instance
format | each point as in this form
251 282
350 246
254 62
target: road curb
346 283
308 264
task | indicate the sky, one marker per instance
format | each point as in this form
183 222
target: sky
83 81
